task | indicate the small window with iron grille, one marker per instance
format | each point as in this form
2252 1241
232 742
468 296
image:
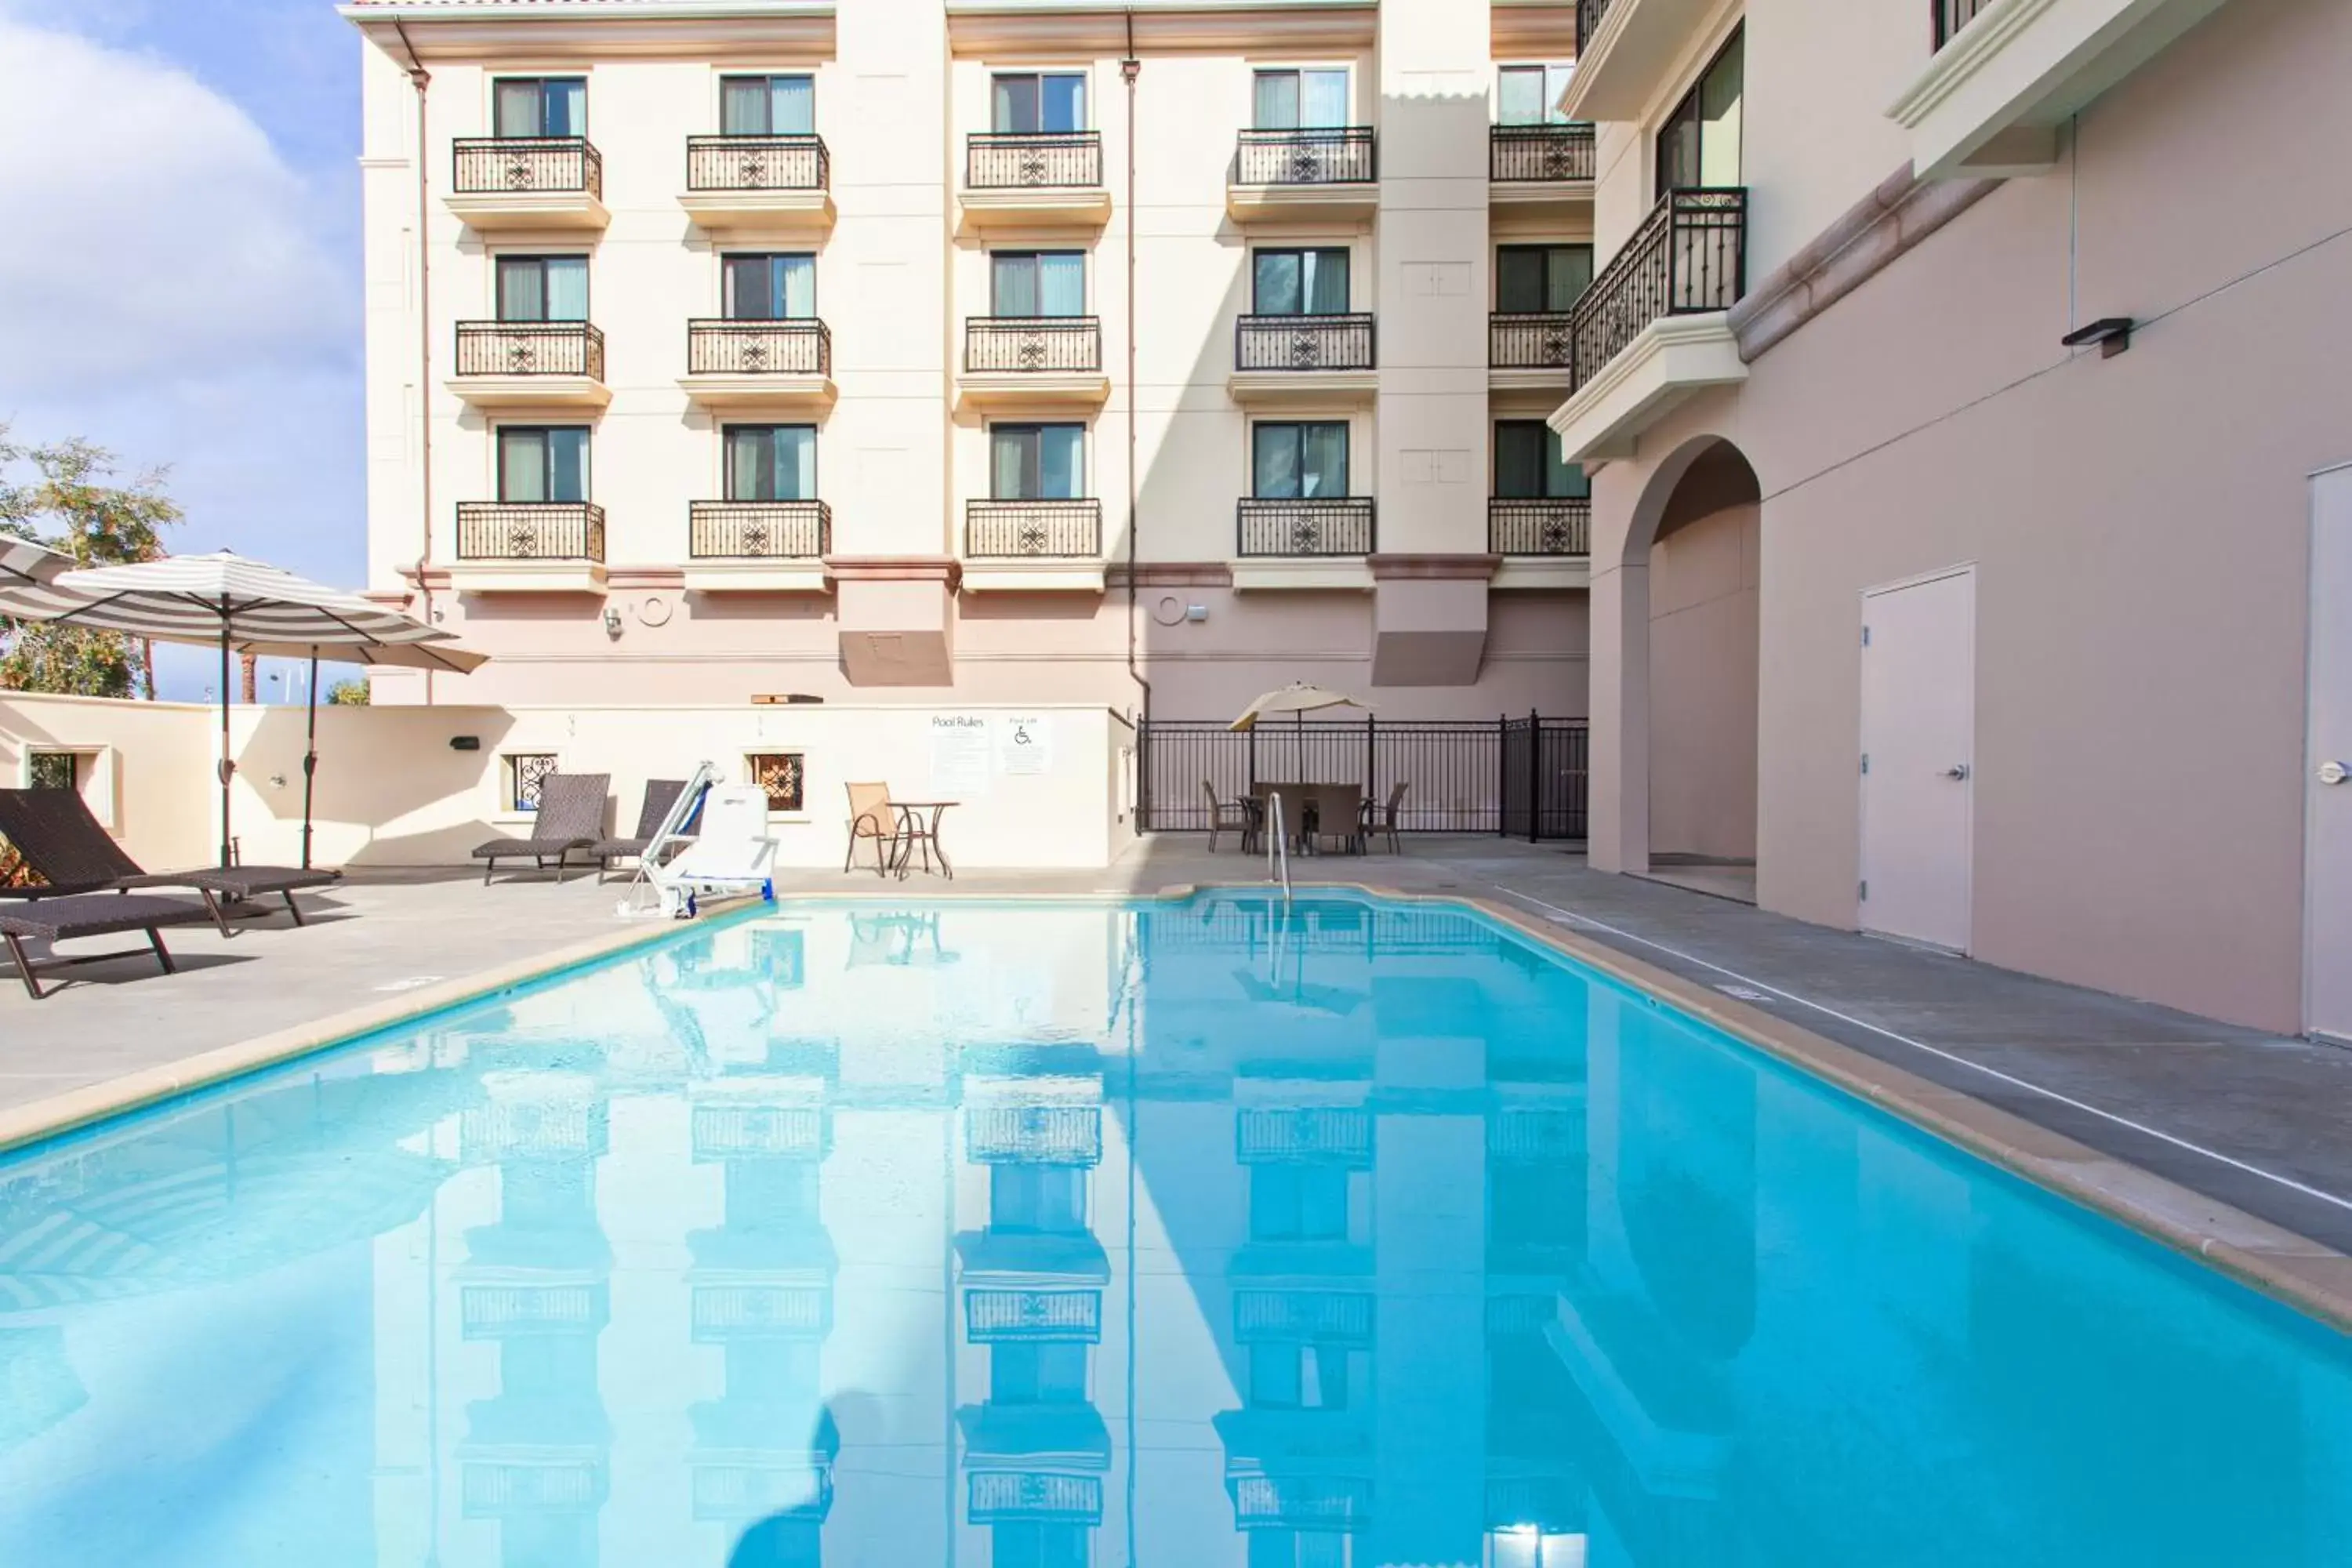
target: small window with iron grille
781 773
525 771
55 770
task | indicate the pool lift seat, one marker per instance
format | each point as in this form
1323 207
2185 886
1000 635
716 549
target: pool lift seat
732 854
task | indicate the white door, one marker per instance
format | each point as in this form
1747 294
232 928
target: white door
2327 779
1918 762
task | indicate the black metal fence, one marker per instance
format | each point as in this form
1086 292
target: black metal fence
1312 525
1533 339
1534 154
1042 344
530 530
496 165
1523 777
1951 16
1339 156
1001 529
757 164
1588 14
758 530
530 348
1003 160
1558 525
758 348
1303 343
1690 255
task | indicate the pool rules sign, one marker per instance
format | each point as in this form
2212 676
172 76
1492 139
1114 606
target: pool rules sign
1024 744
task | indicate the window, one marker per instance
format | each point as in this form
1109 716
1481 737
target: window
1046 101
1037 1198
767 106
1288 462
1024 1543
768 287
525 772
1298 1203
1528 465
1540 278
1038 1371
782 774
771 462
540 106
543 463
1299 282
1038 283
1301 99
1699 142
542 287
1286 1375
1036 462
1526 95
54 770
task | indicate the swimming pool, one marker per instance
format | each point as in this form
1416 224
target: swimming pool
1075 1236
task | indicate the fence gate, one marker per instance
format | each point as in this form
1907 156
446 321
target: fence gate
1523 778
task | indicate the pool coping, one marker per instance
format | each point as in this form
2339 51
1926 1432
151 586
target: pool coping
2267 1257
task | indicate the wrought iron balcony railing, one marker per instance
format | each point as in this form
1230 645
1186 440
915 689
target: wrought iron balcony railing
757 164
1013 529
504 165
1689 255
1337 1134
1532 154
758 530
530 530
758 348
1542 526
530 348
1032 344
1006 161
1303 343
1342 156
1588 14
1951 16
1033 1134
1316 525
1533 339
995 1317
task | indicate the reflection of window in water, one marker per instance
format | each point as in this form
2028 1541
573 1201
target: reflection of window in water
1038 1371
772 1195
778 1371
1535 1206
1298 1203
1292 1377
548 1193
1528 1546
1297 1549
1050 1199
1024 1544
547 1364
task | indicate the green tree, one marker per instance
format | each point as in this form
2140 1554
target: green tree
348 694
61 495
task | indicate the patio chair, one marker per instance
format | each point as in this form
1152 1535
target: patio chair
55 833
570 819
1224 816
1339 815
871 815
660 795
1382 819
63 918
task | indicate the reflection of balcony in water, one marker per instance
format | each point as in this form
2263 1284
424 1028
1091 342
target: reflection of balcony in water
1535 1190
1302 1164
1535 1486
767 1271
1033 1134
1042 1517
731 1130
507 1129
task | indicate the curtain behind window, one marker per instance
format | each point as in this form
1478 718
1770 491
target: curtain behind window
567 464
1061 284
515 110
1327 283
522 465
1567 273
1274 462
791 105
1275 106
1063 106
743 106
1719 97
1519 460
1013 463
522 290
567 287
1012 285
1323 460
1322 99
1061 462
1015 107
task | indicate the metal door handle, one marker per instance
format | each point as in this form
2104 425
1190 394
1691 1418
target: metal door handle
1957 771
2333 773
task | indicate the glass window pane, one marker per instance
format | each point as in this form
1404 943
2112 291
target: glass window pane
1322 1549
1274 475
1277 287
515 110
1678 149
522 289
567 289
1273 1376
743 288
796 297
522 465
1272 1548
1276 104
1062 1202
1718 111
1062 284
793 105
1065 103
1061 462
1014 285
1328 1363
1323 466
1518 459
1563 479
1016 104
1556 83
1012 465
1327 283
796 462
749 468
1567 273
1519 95
1323 98
743 106
1323 1200
566 111
1519 278
1061 1371
567 464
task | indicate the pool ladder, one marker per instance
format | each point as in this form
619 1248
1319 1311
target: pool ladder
1277 848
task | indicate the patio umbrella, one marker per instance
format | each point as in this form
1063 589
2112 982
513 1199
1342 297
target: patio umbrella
23 563
1298 698
226 599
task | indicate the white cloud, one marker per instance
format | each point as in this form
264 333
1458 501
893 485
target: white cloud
148 230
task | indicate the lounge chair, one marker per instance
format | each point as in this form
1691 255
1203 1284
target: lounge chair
570 819
733 857
1227 815
871 815
660 795
54 831
71 915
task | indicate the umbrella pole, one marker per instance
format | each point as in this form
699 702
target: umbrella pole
310 754
228 766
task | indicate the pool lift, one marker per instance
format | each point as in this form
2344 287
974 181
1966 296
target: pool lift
729 853
1277 851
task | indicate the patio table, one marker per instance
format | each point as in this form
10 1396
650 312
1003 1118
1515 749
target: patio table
913 829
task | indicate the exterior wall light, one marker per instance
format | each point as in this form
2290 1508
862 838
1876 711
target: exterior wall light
2112 333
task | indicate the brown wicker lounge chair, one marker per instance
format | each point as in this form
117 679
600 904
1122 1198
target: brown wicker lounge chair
54 831
660 795
90 914
571 820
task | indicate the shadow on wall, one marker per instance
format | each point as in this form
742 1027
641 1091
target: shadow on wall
390 787
1704 631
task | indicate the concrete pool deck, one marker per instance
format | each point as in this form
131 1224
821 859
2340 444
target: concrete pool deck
2252 1121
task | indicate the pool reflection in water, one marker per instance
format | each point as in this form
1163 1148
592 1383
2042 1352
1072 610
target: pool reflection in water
1075 1238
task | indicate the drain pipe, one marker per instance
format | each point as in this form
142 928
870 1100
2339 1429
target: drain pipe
1129 68
420 79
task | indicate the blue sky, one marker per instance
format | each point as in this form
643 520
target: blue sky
179 264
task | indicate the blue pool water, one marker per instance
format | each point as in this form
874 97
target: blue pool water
1084 1236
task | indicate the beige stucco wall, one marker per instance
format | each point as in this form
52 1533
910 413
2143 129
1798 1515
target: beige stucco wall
1703 610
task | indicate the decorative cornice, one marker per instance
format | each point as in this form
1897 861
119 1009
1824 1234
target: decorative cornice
1859 244
1433 568
1171 574
1010 28
942 569
644 577
1533 29
591 30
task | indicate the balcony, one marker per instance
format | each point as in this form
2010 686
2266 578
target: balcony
2007 73
1033 1134
1054 178
1303 359
1291 174
1544 541
1650 331
528 182
758 547
1032 361
529 547
1032 545
1543 171
1309 542
530 365
778 184
1531 349
1628 47
758 367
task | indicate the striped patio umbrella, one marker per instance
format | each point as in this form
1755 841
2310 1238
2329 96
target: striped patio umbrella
224 598
25 564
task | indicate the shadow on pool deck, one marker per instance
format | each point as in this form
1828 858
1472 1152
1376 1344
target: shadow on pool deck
2254 1120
